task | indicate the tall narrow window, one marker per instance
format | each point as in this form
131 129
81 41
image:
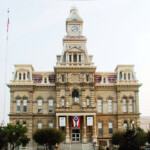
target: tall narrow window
75 58
87 78
128 76
24 76
39 105
63 78
24 123
28 75
18 105
70 60
130 105
45 80
25 105
87 102
100 127
110 106
79 58
104 80
120 75
124 105
19 76
110 126
63 102
50 105
125 125
39 125
99 108
75 97
124 76
132 124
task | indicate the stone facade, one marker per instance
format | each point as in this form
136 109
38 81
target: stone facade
40 99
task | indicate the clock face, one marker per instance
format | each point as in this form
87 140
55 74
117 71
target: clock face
74 28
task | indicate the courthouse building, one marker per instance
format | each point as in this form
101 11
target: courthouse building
87 105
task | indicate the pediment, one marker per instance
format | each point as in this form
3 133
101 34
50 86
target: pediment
75 49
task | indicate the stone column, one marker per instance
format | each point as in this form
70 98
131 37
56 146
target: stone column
84 137
30 105
94 130
57 122
136 102
67 130
92 98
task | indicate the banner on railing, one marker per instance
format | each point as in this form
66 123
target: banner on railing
89 121
62 121
76 121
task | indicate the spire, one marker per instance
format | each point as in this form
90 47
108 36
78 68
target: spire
74 15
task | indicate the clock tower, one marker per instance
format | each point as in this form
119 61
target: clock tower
74 23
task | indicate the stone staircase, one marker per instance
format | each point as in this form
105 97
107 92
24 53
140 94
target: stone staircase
76 146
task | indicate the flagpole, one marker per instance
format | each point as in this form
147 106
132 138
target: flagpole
6 68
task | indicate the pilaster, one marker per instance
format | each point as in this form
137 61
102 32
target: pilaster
67 130
84 137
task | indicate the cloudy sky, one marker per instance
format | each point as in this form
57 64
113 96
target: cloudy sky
118 32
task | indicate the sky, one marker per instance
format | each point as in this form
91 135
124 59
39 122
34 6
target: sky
117 32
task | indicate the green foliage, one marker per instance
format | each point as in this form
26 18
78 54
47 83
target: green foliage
149 137
48 137
130 139
3 137
16 135
117 138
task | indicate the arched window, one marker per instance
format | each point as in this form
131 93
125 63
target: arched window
50 105
39 105
63 102
24 105
39 125
124 105
18 105
50 124
24 123
99 105
75 96
110 106
87 101
125 125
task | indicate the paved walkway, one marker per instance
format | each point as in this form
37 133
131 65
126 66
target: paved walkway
76 146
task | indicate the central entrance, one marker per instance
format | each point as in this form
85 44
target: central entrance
75 135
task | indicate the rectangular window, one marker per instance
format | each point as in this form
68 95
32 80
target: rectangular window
124 105
62 102
130 105
79 58
24 105
50 105
18 105
39 106
110 106
63 78
75 58
50 124
87 78
100 131
87 102
110 125
70 60
39 125
99 108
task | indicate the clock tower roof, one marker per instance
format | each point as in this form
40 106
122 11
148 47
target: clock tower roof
74 16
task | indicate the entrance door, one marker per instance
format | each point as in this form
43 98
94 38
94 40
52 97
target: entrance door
75 135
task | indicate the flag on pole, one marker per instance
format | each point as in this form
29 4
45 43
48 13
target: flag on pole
8 25
76 121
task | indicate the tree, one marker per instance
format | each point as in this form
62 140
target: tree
16 135
130 139
3 137
48 137
149 137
